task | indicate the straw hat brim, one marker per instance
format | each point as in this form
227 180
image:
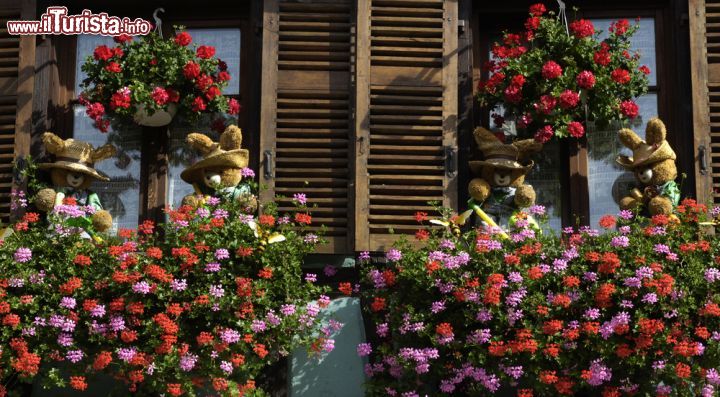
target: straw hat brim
664 152
75 167
506 164
237 158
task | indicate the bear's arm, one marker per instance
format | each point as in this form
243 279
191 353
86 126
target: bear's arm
525 196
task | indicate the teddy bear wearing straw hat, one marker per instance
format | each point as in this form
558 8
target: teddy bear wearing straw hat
219 172
500 187
653 163
71 173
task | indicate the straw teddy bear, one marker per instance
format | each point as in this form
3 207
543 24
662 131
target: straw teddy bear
653 163
71 173
219 172
500 187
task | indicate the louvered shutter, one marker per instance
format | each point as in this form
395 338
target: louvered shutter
407 114
17 70
305 114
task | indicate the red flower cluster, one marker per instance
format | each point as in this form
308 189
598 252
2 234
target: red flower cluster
529 78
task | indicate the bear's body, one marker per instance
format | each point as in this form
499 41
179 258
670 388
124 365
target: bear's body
500 188
71 175
219 173
653 164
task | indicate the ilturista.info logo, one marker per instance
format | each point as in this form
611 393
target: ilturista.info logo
57 21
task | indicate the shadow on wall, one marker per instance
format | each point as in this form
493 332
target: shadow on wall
339 373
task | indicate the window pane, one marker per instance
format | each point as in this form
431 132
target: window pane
643 40
181 157
545 178
607 181
121 195
227 48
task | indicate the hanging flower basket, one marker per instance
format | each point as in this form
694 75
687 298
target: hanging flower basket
150 80
157 119
554 77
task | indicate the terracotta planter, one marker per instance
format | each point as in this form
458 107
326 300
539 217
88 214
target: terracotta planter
157 119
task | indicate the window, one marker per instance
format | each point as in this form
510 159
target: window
121 195
141 185
548 169
608 182
227 45
578 179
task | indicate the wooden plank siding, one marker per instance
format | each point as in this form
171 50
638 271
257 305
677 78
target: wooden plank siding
705 64
17 71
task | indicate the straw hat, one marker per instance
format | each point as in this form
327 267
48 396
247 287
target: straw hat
224 154
646 154
501 155
76 156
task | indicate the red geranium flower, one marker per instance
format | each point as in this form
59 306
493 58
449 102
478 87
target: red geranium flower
198 104
537 9
630 109
586 79
233 106
191 70
212 92
103 53
620 27
113 67
582 28
544 134
532 23
123 38
576 129
620 76
205 51
551 70
160 96
569 99
183 38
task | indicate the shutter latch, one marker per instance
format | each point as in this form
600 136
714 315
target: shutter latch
702 158
450 161
268 174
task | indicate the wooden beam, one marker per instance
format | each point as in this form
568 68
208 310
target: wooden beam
268 99
362 128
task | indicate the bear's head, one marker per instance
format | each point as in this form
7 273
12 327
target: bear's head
74 161
505 165
222 163
653 160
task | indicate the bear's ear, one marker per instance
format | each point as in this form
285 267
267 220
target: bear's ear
629 138
527 147
103 152
200 142
53 143
485 139
655 132
231 139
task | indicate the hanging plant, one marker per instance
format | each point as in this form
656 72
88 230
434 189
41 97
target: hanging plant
553 77
150 80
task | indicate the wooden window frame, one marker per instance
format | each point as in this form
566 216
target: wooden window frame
154 178
575 199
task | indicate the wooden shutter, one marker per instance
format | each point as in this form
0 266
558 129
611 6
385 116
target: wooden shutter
305 114
406 117
17 70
